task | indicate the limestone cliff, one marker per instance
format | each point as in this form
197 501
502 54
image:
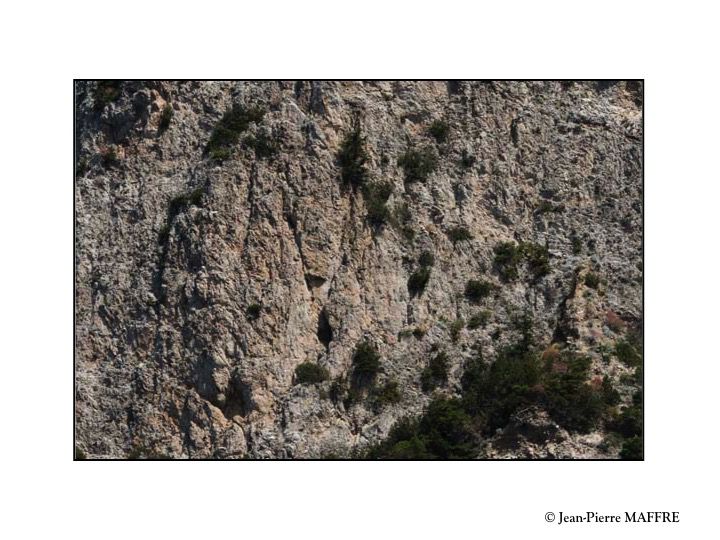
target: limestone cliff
217 253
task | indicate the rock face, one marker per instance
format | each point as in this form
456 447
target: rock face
203 281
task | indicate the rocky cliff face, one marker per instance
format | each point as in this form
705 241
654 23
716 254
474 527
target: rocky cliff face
217 253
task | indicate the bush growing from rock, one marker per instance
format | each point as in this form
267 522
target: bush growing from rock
459 234
352 157
632 449
476 290
435 373
418 164
165 118
479 319
253 311
366 361
592 280
376 196
226 133
106 92
310 373
418 280
439 130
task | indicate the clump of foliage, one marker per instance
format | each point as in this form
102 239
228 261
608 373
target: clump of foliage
366 362
253 311
385 395
352 157
109 157
226 133
263 145
310 373
592 280
418 280
376 196
508 257
400 220
418 333
629 422
184 200
79 454
479 319
627 353
165 118
476 290
459 234
418 164
467 160
443 432
576 244
546 206
106 92
456 327
632 449
435 373
439 130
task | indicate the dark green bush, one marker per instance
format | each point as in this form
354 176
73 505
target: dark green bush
106 92
418 280
253 311
109 157
79 454
387 394
459 234
455 328
592 280
576 244
310 373
352 158
185 200
476 290
627 354
435 373
366 362
418 164
467 160
376 196
226 133
507 258
165 118
263 145
537 258
629 422
632 449
479 319
439 130
426 259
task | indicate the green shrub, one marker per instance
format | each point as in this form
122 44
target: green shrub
352 157
418 333
263 145
435 373
226 133
387 394
109 157
466 160
366 362
106 92
376 196
627 354
507 258
439 130
79 454
165 118
476 290
455 328
310 373
629 422
592 280
632 449
184 200
253 311
418 280
576 245
426 259
418 164
479 319
537 258
459 234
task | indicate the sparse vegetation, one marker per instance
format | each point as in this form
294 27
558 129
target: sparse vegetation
479 319
106 92
165 118
253 311
418 164
456 327
435 373
109 157
467 160
576 245
426 259
628 354
592 280
476 290
226 133
310 373
366 362
352 158
632 449
459 234
376 196
508 257
439 130
418 280
263 145
385 395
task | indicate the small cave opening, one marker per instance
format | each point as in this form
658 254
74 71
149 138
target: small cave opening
324 330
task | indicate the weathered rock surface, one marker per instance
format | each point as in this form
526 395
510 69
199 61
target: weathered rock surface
169 362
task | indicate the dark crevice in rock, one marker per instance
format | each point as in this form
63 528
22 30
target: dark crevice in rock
324 330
